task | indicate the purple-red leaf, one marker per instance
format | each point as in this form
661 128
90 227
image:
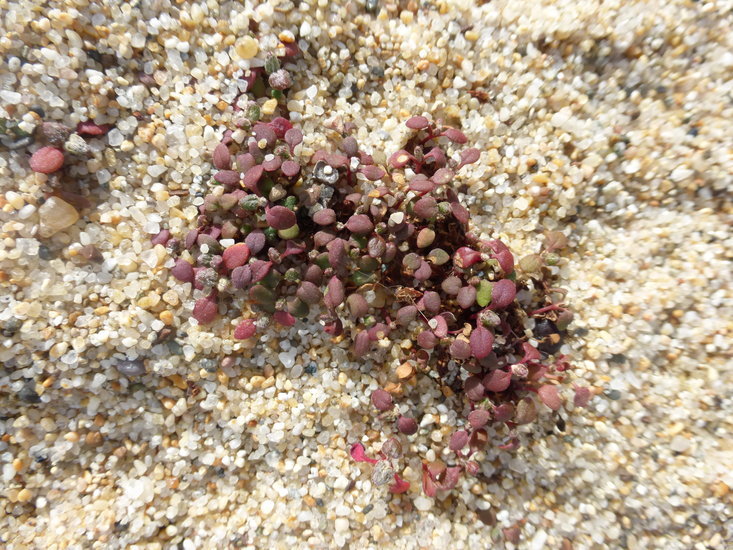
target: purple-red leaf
460 349
502 294
478 418
284 318
466 296
280 217
417 123
205 310
260 269
497 380
455 136
290 168
399 486
469 156
324 217
473 388
482 342
183 271
381 399
362 343
549 395
582 397
245 329
458 440
360 224
407 425
359 454
426 339
255 240
372 172
221 157
252 177
236 255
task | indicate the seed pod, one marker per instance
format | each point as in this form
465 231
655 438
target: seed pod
381 400
407 425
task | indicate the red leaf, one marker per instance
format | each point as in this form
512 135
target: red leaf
530 353
502 294
428 485
469 156
482 342
260 269
245 329
582 397
284 318
236 255
452 475
357 453
417 122
497 380
549 396
205 310
372 172
399 486
455 136
381 399
280 217
90 128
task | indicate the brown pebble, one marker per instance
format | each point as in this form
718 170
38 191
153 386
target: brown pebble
93 439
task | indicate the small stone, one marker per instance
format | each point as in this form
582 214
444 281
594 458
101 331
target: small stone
246 47
269 106
47 160
24 495
56 215
28 394
76 145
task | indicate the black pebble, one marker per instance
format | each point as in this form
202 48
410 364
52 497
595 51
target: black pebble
44 252
544 328
310 368
28 394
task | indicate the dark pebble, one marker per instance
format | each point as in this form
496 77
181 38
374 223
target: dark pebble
209 365
545 329
28 394
613 395
44 252
129 367
310 368
10 327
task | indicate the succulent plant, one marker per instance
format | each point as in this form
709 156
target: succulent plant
382 252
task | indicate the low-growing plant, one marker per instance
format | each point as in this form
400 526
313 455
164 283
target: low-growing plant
383 253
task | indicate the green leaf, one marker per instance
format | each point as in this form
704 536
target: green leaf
483 293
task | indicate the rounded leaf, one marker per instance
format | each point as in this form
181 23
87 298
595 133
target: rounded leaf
284 318
426 339
482 342
245 329
458 440
47 160
205 310
478 418
406 314
334 293
381 399
526 411
473 388
417 123
183 271
236 255
309 293
407 425
280 217
452 285
466 296
241 276
372 172
426 208
358 306
290 168
497 380
221 158
360 224
256 241
431 301
362 343
455 136
503 293
460 349
469 156
324 217
582 397
549 395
